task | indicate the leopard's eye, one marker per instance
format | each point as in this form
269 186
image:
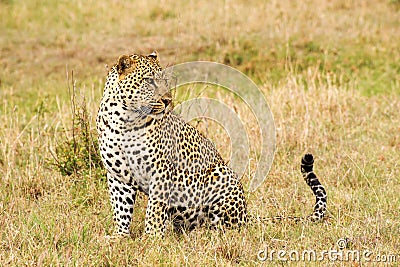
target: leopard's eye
150 81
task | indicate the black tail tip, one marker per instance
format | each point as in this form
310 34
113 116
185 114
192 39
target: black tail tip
307 159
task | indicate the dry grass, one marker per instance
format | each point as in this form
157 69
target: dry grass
330 73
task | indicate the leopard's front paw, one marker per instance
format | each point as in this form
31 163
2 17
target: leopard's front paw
116 236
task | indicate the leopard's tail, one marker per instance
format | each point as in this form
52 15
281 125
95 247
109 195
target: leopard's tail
307 163
312 181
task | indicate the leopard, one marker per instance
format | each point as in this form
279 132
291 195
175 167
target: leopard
146 147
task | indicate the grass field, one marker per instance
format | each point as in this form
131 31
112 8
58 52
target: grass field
330 72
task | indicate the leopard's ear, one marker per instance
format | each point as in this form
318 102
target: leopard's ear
125 64
154 55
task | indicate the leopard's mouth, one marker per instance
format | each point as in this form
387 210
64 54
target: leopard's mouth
160 106
166 101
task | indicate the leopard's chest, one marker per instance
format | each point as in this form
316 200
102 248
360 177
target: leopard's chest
143 156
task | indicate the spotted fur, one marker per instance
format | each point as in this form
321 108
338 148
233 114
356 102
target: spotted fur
307 163
146 147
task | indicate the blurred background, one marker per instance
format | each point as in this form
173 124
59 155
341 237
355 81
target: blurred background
356 40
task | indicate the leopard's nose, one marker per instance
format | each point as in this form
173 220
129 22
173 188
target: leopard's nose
167 96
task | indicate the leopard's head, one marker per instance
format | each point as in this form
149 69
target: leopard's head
140 84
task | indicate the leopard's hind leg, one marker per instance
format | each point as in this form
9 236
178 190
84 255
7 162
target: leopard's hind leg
225 198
